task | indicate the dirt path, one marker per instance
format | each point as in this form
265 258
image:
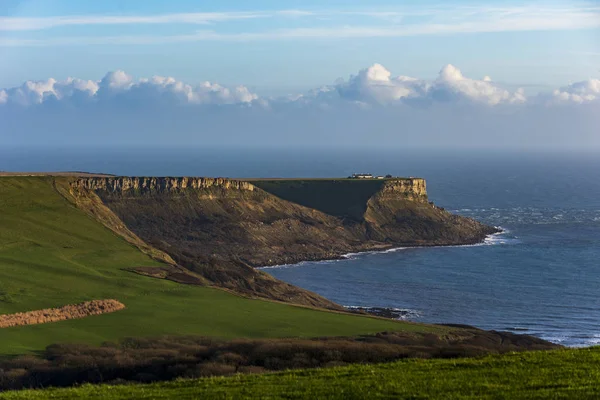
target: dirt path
70 311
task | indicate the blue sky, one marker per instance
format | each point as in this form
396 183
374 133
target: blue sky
279 47
446 74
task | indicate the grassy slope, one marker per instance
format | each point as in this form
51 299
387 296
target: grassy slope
533 375
52 254
346 198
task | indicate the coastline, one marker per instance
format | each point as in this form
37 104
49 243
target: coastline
483 242
395 313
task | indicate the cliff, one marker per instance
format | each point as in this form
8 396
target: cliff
414 189
215 231
157 185
400 213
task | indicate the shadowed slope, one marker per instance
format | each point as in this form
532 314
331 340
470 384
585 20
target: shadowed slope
343 198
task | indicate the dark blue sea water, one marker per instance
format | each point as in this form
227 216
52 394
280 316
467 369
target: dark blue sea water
541 276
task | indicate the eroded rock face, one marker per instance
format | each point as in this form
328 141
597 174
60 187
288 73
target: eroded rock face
158 185
406 188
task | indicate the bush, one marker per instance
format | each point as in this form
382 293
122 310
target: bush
214 369
166 358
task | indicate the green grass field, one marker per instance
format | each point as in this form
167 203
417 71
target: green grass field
345 198
52 254
558 374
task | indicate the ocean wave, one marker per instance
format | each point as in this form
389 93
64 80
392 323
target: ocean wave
500 238
554 339
570 339
298 264
350 256
530 215
517 329
585 340
402 314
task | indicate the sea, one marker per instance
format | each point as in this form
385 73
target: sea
540 276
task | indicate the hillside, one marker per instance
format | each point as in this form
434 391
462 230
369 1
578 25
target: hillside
53 254
557 374
64 246
220 229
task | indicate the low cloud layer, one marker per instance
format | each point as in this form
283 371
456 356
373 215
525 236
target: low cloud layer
120 86
579 92
371 107
373 86
376 85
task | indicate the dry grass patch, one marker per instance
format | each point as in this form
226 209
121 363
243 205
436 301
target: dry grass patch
70 311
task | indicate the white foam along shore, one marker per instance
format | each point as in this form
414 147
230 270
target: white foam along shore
395 313
491 239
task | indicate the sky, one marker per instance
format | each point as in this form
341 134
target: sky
298 72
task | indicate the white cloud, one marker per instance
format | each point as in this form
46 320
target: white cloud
205 93
452 84
376 85
36 92
374 107
120 85
579 92
73 85
116 81
371 87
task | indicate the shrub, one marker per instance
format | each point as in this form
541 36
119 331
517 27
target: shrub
214 369
166 358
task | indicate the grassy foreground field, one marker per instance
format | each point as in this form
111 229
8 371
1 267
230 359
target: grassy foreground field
558 374
52 254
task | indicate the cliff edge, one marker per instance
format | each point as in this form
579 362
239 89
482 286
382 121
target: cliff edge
215 230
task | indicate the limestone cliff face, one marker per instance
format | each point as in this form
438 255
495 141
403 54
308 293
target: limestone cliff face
414 189
400 213
157 185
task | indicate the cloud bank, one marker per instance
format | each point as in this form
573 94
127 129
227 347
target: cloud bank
579 92
376 85
371 107
120 86
372 86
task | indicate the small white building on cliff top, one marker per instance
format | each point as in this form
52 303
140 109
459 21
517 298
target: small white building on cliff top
362 176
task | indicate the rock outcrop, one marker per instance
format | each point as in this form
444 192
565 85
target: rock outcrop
414 189
157 185
401 213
